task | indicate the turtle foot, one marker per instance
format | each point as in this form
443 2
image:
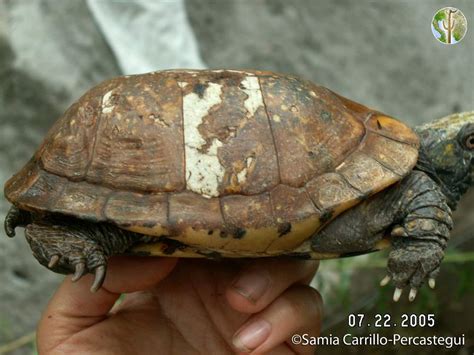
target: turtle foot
68 250
410 264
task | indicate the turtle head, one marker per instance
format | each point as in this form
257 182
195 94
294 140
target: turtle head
447 153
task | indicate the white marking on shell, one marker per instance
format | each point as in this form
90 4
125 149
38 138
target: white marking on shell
203 170
252 88
107 105
182 84
242 176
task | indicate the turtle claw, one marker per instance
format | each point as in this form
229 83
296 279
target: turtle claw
15 218
79 272
432 283
397 294
10 232
399 231
11 221
99 278
412 295
53 261
385 281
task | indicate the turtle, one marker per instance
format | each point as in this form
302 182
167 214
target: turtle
239 164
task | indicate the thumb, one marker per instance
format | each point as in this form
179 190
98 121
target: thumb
74 307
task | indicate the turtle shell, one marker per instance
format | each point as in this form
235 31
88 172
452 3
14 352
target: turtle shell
245 162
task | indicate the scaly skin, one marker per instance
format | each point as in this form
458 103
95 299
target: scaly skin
67 245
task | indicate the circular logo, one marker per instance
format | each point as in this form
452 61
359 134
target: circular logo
449 25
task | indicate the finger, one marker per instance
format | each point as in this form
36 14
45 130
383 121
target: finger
74 308
296 311
127 274
262 281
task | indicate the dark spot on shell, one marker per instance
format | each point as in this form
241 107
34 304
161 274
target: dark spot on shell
326 116
284 228
210 232
223 234
239 233
149 224
379 125
199 89
325 216
125 225
311 154
171 245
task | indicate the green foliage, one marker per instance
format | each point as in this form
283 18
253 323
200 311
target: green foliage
439 30
458 33
440 15
34 350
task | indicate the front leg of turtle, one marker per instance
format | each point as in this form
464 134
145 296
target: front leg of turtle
77 248
421 236
412 214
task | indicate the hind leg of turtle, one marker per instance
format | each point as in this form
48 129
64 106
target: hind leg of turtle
77 248
66 250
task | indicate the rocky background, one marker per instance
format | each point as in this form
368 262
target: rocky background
379 53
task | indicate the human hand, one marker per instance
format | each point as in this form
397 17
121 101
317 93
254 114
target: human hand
190 306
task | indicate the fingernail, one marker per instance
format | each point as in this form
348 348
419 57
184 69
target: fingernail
252 335
252 285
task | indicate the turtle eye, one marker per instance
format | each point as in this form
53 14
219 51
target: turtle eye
469 141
